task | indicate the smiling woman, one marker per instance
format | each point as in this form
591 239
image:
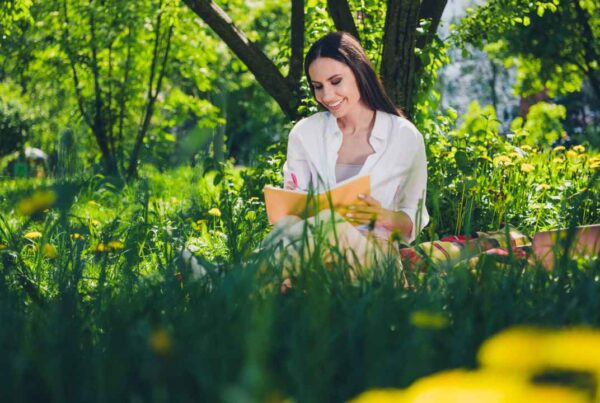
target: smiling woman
361 132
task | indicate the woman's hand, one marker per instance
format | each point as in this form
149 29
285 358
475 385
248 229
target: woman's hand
372 213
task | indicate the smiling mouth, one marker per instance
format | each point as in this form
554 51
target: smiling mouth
335 105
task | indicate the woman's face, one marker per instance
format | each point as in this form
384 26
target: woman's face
335 86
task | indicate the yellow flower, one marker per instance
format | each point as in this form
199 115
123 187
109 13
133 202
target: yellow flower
516 155
115 245
174 201
33 235
576 349
516 349
571 154
542 187
380 396
160 341
77 235
100 248
429 320
215 212
502 160
2 246
595 165
559 148
579 148
526 148
526 168
39 201
50 251
556 161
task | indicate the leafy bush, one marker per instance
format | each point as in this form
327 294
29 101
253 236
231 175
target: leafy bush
543 124
14 126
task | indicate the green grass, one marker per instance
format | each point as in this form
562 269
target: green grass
136 324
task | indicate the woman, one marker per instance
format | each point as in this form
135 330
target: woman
361 132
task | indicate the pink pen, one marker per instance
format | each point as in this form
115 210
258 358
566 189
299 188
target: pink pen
294 179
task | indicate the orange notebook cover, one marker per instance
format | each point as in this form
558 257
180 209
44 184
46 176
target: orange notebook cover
281 202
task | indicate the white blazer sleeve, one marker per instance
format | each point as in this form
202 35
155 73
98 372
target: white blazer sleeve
410 196
297 160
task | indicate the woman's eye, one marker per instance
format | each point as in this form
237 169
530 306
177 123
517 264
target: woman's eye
336 82
318 87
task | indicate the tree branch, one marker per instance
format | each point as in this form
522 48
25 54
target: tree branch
431 10
296 43
264 70
340 13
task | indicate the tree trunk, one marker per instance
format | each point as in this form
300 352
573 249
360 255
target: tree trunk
431 10
339 11
264 70
398 56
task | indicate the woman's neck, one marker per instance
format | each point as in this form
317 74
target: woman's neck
357 122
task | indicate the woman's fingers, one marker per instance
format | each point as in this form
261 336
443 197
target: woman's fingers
290 185
369 200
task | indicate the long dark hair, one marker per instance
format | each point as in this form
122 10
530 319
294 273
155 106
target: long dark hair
345 48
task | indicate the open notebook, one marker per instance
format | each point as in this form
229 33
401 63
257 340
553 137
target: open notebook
281 202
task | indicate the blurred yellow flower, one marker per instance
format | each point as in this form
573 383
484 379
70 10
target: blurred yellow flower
526 148
595 165
2 246
77 235
380 396
49 251
542 187
516 349
502 160
579 148
174 201
429 320
527 168
160 341
39 201
115 245
571 154
33 235
215 212
559 148
516 155
100 247
575 349
557 161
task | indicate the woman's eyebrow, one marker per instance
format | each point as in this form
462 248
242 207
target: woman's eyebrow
329 79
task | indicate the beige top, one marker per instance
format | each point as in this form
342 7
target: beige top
345 171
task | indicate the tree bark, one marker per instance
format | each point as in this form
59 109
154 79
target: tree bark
340 13
264 70
297 43
398 56
430 10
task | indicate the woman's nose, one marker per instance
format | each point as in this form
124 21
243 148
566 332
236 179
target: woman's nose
328 94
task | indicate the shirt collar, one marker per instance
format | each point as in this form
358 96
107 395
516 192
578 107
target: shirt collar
380 127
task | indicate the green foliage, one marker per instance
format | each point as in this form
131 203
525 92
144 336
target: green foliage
513 31
114 287
542 126
14 127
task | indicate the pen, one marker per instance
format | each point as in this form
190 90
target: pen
294 179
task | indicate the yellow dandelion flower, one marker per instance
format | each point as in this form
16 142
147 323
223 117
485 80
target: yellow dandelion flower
49 251
557 161
579 148
174 201
516 349
3 247
77 235
595 165
95 223
215 212
33 235
576 349
542 187
527 168
559 149
380 396
160 341
39 201
571 154
100 247
526 148
115 245
429 320
515 155
502 160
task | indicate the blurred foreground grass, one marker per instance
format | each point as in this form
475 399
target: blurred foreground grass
98 304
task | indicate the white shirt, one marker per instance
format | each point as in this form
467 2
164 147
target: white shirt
398 167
